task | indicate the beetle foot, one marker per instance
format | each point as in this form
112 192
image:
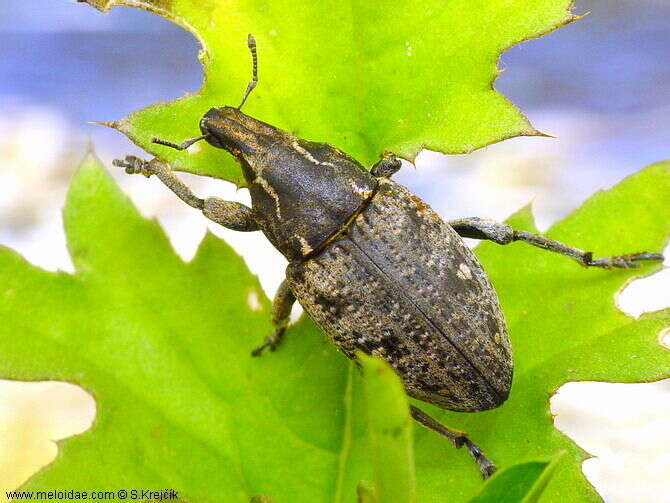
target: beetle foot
386 166
486 466
621 261
271 341
135 165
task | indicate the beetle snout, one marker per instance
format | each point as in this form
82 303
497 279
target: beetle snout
232 130
222 130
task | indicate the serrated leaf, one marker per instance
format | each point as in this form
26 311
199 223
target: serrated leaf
366 77
164 346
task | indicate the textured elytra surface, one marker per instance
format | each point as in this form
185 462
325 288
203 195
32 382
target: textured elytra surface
401 284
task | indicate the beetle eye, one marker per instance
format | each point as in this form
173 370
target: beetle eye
214 141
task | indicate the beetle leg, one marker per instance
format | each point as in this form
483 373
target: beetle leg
481 228
281 311
458 438
386 167
230 214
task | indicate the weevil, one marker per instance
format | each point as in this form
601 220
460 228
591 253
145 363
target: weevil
373 265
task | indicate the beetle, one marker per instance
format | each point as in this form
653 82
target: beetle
375 267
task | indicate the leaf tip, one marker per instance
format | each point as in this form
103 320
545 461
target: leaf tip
90 164
113 125
542 134
576 17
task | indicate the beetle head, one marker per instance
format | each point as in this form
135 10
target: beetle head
302 192
243 136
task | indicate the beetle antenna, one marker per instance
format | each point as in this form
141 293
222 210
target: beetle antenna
251 43
178 146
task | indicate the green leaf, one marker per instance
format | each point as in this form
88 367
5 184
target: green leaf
366 77
390 425
522 483
260 499
164 346
365 493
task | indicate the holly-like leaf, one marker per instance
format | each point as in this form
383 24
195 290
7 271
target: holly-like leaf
164 346
366 77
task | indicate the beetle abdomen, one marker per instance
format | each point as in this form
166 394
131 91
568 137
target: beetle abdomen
402 285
